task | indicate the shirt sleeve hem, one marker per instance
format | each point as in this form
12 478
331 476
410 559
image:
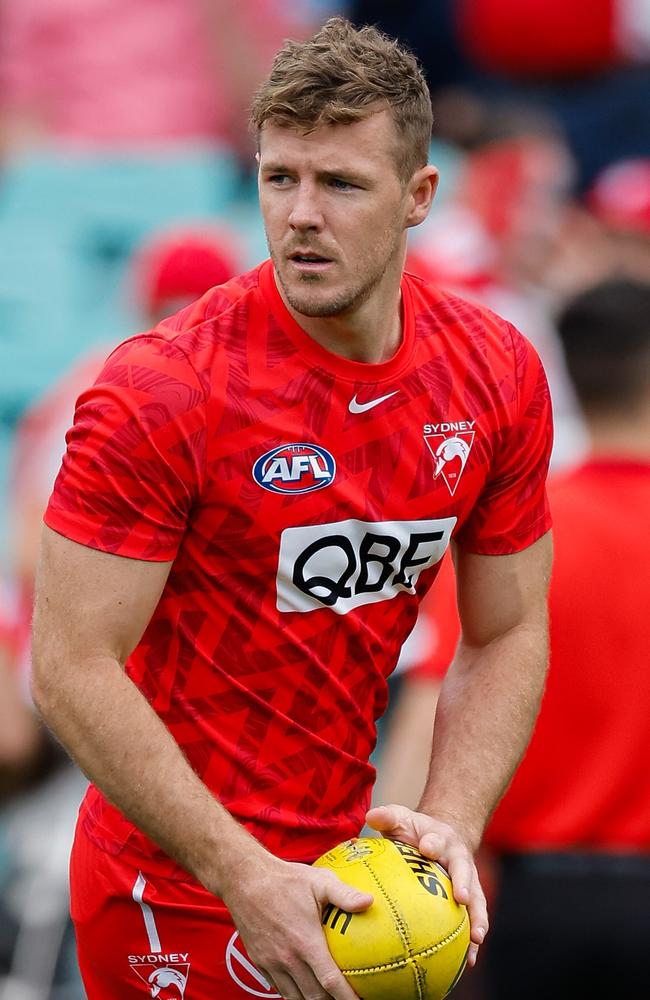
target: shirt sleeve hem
491 547
69 526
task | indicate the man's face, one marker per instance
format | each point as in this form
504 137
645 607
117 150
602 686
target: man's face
334 211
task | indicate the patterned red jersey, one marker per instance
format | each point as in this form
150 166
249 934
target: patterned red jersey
306 501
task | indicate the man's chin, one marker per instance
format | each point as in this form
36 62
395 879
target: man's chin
315 301
312 295
314 309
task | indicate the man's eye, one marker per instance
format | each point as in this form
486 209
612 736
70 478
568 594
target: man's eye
341 185
279 179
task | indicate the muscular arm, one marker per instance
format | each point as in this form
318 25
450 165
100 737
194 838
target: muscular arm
490 696
91 611
484 717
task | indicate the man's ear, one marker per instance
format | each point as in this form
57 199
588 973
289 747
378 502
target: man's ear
422 189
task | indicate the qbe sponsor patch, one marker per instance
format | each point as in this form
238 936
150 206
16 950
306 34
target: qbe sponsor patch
345 564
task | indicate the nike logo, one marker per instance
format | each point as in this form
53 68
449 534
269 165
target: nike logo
355 407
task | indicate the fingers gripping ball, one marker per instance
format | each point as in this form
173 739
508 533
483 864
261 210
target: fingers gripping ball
412 943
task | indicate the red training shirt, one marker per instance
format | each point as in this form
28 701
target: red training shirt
584 780
305 500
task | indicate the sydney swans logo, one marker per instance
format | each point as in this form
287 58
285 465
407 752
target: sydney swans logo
450 444
167 982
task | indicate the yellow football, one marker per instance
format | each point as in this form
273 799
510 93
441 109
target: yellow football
411 944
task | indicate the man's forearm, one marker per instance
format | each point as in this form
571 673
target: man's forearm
486 711
120 743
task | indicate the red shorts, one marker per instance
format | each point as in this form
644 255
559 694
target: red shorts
141 935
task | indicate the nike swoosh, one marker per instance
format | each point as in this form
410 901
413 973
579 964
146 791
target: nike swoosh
355 407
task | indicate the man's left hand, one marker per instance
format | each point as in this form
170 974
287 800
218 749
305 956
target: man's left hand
439 840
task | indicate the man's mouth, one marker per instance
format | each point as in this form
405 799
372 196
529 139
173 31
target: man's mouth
309 259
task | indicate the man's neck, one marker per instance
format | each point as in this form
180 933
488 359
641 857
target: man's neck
623 436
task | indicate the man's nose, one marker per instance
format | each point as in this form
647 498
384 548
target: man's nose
306 212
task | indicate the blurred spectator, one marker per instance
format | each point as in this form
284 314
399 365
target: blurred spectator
621 196
173 268
573 830
572 833
620 200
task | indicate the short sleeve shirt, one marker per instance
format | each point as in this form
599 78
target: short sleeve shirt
305 501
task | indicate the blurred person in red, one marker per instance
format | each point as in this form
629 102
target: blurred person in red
571 835
606 233
573 830
620 200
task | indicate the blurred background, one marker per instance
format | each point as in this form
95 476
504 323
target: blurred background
127 188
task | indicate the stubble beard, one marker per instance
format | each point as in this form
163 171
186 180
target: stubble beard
347 299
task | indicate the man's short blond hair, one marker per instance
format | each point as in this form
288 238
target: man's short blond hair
344 74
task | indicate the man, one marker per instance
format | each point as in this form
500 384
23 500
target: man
573 830
256 495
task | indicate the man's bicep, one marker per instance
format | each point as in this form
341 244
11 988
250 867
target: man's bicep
90 602
498 593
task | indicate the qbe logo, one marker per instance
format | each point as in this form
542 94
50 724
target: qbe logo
345 564
295 468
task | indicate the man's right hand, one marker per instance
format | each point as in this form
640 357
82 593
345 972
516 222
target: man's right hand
278 913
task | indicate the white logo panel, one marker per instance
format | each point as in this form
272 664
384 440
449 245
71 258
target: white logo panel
345 564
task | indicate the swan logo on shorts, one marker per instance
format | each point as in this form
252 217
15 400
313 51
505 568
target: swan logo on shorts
295 468
244 973
166 982
344 564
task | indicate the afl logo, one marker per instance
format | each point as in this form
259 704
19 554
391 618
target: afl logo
295 468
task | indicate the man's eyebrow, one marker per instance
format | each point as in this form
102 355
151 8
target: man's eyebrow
275 168
344 173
